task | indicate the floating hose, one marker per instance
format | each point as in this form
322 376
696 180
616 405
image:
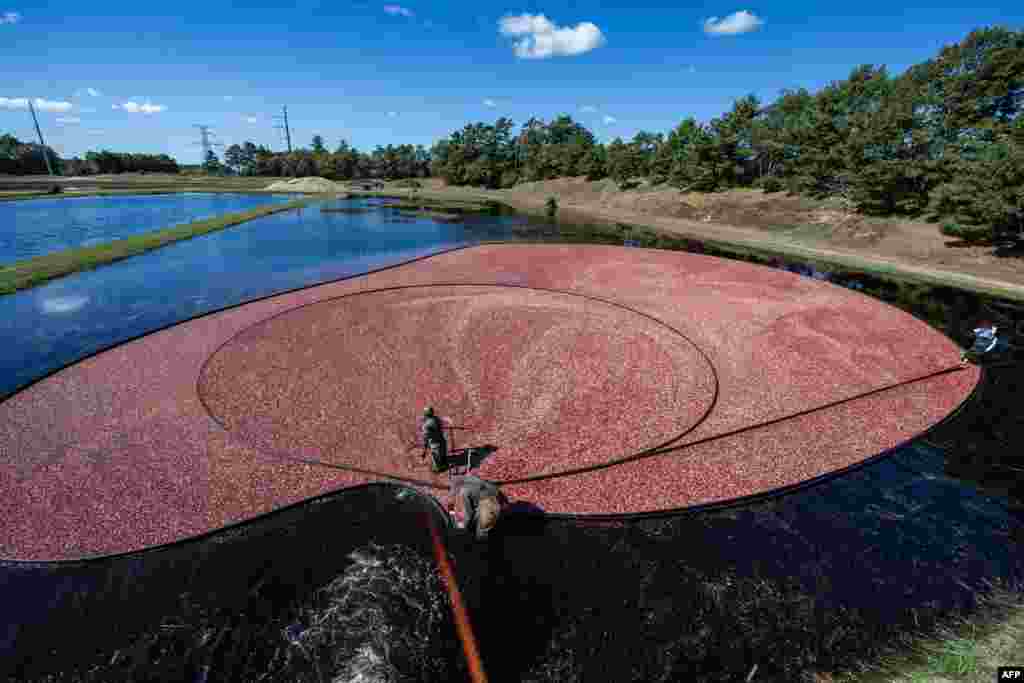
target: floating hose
462 623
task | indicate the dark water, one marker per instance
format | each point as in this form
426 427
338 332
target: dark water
45 328
345 590
43 226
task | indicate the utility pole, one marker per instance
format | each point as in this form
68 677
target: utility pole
46 156
205 134
286 129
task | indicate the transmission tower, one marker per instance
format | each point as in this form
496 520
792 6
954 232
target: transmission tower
205 135
284 127
46 155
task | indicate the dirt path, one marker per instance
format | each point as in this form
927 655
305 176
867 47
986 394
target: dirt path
776 222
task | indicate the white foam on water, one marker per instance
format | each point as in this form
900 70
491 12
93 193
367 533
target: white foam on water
64 304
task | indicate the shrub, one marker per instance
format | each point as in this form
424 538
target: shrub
508 179
771 184
968 233
551 205
409 182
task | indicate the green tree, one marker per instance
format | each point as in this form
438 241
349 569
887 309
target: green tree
211 163
234 157
318 145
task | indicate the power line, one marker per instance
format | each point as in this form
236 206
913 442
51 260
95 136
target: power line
46 155
284 127
205 135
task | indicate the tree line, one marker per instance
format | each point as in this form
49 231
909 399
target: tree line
344 163
943 140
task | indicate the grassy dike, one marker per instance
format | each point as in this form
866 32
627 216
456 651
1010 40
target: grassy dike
36 271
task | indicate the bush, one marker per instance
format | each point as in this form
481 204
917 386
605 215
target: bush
771 184
508 179
551 205
409 182
968 233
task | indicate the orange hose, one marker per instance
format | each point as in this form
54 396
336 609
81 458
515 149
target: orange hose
462 623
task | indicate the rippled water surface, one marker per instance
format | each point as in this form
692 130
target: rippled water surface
47 327
43 226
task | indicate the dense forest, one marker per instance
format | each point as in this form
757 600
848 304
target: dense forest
943 140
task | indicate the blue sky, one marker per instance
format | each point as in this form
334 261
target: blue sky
136 77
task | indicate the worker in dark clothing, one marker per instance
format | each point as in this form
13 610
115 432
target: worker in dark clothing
481 503
433 440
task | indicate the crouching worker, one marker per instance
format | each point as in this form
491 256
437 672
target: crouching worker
481 504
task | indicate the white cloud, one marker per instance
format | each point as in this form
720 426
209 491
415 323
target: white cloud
392 114
490 103
541 38
10 18
15 103
136 108
250 119
608 120
588 109
93 91
47 105
115 106
396 10
68 119
737 22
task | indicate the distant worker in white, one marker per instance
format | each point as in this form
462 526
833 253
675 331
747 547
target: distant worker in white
985 341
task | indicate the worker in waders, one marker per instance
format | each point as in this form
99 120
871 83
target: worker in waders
434 441
985 342
480 501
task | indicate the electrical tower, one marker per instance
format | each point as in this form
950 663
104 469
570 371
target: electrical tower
205 135
285 128
46 155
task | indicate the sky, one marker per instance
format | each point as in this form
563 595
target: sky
133 77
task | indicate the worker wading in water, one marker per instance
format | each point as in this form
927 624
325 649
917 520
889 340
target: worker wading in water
481 502
433 440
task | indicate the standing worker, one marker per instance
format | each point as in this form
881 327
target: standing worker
433 440
481 503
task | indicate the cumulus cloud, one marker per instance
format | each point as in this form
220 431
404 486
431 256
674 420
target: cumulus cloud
13 103
608 120
136 108
10 18
588 109
490 103
68 119
737 22
396 10
47 105
540 38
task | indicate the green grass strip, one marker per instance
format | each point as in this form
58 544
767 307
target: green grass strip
35 271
